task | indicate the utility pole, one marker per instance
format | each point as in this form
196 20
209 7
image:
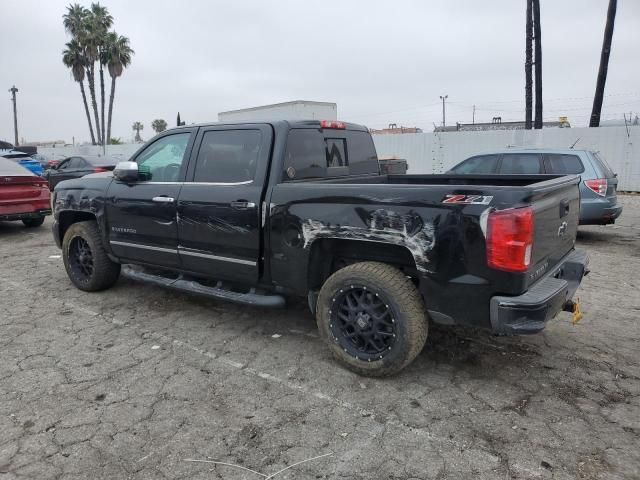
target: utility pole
13 91
474 115
594 121
444 124
537 45
528 68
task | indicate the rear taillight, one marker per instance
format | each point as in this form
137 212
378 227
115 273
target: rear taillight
100 169
599 186
510 239
332 124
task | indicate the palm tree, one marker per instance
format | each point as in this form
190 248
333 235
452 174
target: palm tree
73 58
159 125
118 57
594 121
101 21
137 126
74 19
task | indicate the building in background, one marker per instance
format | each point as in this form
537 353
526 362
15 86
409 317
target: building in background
295 110
394 129
498 124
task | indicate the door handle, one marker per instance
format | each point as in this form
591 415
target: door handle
163 199
242 205
564 208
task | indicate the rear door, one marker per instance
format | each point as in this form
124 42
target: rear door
219 205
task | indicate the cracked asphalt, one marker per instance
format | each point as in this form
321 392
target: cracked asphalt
135 381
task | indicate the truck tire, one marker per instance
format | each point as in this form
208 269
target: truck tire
372 318
33 221
85 259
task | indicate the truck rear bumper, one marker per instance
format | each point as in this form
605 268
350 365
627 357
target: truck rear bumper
528 313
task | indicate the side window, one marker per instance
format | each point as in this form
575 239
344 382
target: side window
77 163
567 164
305 156
162 160
520 163
480 165
64 164
228 156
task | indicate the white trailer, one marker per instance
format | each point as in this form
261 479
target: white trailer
295 110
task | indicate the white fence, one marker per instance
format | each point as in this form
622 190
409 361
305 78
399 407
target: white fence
437 152
118 151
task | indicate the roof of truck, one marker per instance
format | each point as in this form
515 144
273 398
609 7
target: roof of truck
289 123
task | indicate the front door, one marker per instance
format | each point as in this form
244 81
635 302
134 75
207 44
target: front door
219 206
141 215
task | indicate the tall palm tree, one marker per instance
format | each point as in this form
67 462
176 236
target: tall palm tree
73 58
118 57
102 22
594 121
137 126
74 19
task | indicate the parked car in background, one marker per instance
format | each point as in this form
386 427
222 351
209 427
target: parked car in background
23 159
78 166
23 195
48 161
598 199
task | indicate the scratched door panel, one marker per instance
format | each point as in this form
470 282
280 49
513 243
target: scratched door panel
219 222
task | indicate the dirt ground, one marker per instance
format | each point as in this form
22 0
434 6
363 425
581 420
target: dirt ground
136 381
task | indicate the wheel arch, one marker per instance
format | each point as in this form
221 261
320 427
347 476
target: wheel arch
327 255
69 217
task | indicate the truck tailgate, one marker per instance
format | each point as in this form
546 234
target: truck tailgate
556 216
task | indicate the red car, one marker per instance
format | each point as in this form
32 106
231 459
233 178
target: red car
23 195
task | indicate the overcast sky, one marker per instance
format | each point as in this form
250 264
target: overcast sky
380 61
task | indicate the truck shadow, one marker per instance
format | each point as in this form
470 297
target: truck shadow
474 349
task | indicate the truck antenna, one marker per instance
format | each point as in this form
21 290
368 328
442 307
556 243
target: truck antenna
574 143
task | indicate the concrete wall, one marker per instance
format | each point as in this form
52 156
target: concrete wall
118 151
437 152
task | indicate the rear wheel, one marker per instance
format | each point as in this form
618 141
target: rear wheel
372 318
86 260
33 221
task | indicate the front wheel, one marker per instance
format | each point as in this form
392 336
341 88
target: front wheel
85 259
372 318
33 221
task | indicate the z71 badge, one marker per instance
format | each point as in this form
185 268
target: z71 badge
468 199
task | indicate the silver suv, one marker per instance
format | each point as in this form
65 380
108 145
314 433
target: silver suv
598 200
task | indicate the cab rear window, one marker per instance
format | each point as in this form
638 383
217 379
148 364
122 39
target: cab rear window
315 153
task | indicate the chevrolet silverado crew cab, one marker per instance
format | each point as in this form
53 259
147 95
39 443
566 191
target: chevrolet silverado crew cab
257 212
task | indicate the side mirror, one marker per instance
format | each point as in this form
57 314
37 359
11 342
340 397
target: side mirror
126 171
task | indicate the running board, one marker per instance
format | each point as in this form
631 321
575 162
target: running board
192 286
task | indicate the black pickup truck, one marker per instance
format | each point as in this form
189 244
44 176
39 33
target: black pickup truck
256 212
